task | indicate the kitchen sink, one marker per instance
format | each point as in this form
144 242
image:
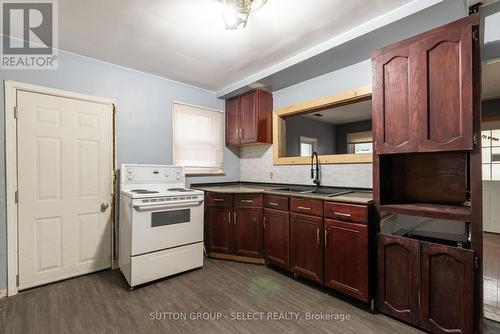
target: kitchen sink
296 189
328 191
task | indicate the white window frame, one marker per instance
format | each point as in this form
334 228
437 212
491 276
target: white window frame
353 138
197 170
308 140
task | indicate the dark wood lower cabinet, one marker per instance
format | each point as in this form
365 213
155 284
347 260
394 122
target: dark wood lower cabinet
346 258
307 246
426 284
398 277
248 231
276 237
446 289
220 232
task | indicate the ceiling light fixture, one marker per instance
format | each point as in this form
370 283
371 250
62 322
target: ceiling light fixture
236 12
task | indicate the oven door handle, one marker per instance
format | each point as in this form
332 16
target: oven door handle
166 206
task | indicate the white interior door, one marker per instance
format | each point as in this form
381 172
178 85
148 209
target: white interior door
64 176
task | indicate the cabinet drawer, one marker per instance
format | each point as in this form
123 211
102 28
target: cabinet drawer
253 200
218 199
276 202
307 206
347 212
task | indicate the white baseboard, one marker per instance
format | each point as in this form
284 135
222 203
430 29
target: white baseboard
3 293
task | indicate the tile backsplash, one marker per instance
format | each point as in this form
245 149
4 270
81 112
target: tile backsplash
256 165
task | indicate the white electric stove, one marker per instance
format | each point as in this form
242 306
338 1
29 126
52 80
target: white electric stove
161 223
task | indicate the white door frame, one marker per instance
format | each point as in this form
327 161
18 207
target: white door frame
11 89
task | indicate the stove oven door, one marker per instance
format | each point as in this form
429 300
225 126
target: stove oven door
163 226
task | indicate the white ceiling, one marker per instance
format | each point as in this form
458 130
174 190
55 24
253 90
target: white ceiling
185 40
360 111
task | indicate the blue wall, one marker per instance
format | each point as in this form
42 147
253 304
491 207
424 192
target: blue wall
143 123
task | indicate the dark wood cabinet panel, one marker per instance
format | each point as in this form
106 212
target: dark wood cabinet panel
307 246
232 134
250 200
249 118
398 277
217 199
346 258
447 289
277 237
276 202
444 89
306 206
347 212
219 229
394 116
248 231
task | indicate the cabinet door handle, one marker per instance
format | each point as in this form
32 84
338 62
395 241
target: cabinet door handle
317 236
229 217
304 208
234 222
264 222
237 134
326 238
218 200
342 214
247 201
273 204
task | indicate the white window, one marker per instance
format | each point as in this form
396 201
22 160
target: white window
198 140
360 142
491 155
307 146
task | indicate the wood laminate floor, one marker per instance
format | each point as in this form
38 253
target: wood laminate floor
491 249
101 303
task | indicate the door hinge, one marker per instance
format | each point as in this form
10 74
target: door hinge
475 35
476 262
16 197
16 112
17 279
474 138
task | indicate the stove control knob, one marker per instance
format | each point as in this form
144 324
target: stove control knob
129 171
167 174
178 177
130 177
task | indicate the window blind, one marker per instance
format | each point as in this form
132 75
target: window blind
197 139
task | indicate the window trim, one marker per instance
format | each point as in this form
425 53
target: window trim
197 170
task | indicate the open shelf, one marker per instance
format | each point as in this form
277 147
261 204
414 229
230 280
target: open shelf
440 211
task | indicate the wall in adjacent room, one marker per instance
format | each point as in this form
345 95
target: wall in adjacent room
302 126
143 124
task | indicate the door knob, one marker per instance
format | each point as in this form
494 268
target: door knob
104 206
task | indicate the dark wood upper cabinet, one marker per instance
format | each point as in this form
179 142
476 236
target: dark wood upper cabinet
444 89
394 112
398 277
248 231
249 118
219 229
423 91
307 246
447 289
232 135
346 258
276 237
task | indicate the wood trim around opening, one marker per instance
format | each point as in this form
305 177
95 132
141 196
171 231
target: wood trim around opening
279 128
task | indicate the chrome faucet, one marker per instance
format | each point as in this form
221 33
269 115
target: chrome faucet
316 180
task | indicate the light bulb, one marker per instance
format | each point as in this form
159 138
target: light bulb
230 16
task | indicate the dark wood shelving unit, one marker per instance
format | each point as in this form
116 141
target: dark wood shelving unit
427 163
439 211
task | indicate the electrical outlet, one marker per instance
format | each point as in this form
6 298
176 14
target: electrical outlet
270 175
